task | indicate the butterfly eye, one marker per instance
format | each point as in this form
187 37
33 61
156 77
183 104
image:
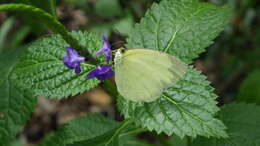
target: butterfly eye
122 50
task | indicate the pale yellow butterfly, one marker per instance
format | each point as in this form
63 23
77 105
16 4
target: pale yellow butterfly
143 74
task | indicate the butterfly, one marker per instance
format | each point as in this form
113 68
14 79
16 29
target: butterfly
142 75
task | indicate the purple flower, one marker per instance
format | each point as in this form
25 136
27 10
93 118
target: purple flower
101 72
72 60
106 49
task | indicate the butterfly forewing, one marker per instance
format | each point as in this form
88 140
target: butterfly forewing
142 75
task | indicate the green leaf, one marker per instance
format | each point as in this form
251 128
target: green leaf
130 140
243 122
179 27
108 8
250 90
176 141
182 28
122 135
187 108
16 105
17 37
4 29
43 16
110 138
42 70
47 5
125 25
81 129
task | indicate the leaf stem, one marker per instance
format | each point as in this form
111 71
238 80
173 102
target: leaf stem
134 131
123 125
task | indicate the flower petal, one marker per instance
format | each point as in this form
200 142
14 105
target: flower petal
104 69
106 42
107 56
106 49
72 60
70 51
109 74
106 75
93 73
99 51
67 63
77 69
101 72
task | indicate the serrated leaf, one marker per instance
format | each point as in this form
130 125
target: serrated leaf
179 27
182 28
243 122
42 70
187 108
250 90
110 138
122 135
15 105
81 129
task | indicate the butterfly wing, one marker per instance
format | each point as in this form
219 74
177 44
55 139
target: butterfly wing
142 75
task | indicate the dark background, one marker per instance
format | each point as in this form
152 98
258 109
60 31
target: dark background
231 63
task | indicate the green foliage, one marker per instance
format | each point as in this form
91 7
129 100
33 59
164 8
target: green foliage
43 16
130 140
122 135
94 130
16 37
186 108
47 5
243 122
110 138
41 67
4 29
88 130
176 141
250 88
179 27
123 26
15 105
182 28
108 8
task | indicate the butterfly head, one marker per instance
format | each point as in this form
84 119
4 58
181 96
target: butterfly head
119 54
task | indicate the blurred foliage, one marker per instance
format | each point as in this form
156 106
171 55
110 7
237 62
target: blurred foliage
232 62
236 52
16 36
108 8
250 88
37 27
47 5
243 128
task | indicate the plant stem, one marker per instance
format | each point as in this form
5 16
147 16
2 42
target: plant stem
123 125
